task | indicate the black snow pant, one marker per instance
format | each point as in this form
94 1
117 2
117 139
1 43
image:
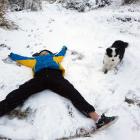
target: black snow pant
45 79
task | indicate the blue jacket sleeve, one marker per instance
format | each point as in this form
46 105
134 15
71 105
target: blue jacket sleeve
26 61
16 57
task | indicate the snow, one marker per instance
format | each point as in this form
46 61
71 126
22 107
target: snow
88 34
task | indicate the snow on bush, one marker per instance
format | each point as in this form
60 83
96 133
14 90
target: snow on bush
2 12
84 5
33 5
129 1
5 23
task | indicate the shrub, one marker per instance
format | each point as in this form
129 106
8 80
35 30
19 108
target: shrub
18 5
3 8
84 5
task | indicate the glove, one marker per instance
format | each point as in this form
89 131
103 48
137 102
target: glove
10 55
65 48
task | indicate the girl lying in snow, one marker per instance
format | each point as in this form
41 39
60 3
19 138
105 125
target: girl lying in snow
48 74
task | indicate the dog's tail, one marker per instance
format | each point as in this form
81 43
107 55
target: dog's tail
120 43
126 44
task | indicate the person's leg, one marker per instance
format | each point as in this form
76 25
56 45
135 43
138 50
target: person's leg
64 88
18 96
94 115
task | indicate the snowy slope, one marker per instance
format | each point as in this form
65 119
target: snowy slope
88 34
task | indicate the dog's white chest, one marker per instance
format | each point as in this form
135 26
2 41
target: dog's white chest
111 62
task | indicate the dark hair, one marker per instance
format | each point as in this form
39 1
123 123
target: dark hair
46 51
37 54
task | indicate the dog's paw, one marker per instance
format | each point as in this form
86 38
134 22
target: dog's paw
105 71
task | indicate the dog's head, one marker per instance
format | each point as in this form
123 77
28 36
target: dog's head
112 53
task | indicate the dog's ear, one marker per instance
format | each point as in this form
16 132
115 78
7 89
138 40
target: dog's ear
109 52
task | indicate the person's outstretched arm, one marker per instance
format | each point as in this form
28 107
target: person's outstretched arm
23 60
59 56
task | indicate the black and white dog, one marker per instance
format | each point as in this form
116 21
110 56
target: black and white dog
114 55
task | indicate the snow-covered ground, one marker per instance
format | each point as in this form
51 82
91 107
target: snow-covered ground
88 35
